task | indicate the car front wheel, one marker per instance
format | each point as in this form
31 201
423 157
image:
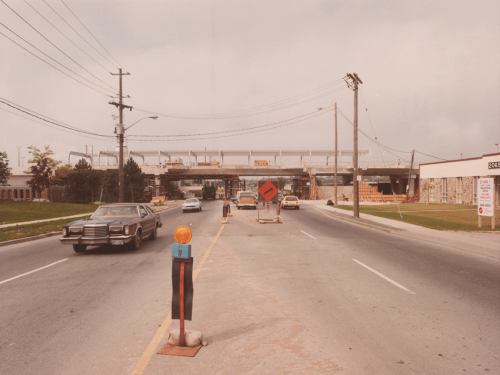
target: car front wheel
136 242
79 248
153 236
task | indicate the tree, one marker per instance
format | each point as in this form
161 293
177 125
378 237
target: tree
318 181
83 184
4 168
134 180
281 183
37 155
40 180
61 174
110 185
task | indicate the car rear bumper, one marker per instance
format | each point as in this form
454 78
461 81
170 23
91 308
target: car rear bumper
80 240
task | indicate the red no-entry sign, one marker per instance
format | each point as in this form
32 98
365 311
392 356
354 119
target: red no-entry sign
268 190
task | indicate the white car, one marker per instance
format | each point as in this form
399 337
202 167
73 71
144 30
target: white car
191 204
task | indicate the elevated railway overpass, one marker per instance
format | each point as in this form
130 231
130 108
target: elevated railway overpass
175 165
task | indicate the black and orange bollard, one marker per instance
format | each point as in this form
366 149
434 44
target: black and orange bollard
224 212
268 208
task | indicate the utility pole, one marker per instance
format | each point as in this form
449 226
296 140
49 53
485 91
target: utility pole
355 193
336 152
409 176
119 130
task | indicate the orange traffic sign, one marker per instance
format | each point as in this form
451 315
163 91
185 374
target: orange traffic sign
268 190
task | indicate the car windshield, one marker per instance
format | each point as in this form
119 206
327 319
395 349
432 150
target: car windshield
129 211
291 198
192 200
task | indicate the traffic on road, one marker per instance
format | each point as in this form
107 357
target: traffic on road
314 294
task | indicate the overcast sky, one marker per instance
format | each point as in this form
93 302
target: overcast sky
430 72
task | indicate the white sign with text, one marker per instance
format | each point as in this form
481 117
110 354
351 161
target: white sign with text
485 193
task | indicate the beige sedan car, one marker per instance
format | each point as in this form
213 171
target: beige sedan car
290 202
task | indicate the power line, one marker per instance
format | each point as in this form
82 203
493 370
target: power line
435 157
386 148
227 136
50 126
63 34
247 112
57 62
58 123
93 37
232 131
54 44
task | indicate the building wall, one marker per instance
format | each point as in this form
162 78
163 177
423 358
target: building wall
461 179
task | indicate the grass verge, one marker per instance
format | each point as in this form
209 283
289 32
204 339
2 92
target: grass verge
29 230
432 215
18 212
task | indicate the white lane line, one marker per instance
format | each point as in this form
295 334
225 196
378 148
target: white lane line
27 273
384 277
178 217
307 234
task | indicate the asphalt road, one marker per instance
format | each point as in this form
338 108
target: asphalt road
314 295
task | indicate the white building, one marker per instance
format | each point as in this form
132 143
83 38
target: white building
455 181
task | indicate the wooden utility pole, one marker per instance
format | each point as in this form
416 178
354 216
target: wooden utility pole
409 176
120 131
336 152
355 193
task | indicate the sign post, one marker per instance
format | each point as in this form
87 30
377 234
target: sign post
268 190
486 203
182 285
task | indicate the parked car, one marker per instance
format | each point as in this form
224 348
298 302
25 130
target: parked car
114 224
290 202
40 200
233 200
191 204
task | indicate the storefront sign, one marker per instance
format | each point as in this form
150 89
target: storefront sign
485 190
494 165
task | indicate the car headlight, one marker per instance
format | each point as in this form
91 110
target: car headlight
76 230
65 232
115 230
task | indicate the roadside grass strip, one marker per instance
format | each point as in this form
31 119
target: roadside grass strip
432 215
18 212
30 230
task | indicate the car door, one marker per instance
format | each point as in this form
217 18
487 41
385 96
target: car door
148 220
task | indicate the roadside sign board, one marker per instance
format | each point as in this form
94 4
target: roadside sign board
485 193
268 190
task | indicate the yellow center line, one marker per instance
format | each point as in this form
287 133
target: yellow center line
151 349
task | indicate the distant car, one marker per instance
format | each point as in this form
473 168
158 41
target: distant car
114 224
40 200
290 202
280 198
191 204
234 200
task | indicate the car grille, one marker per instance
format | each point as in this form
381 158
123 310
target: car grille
95 231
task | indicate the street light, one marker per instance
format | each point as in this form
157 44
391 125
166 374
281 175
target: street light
120 131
